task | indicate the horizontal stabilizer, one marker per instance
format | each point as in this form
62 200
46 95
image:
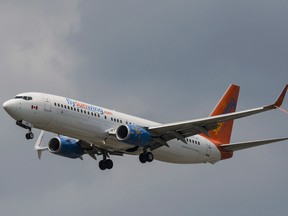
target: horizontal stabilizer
250 144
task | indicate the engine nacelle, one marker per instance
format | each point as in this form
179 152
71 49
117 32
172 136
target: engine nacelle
65 147
134 135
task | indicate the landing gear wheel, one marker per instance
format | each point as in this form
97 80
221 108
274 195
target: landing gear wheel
142 158
29 135
102 165
146 157
109 164
149 157
106 164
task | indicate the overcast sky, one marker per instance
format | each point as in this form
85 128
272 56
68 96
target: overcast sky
162 60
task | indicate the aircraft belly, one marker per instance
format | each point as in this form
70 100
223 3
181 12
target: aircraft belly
182 153
113 145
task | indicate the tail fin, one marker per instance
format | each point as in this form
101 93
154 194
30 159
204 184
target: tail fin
227 104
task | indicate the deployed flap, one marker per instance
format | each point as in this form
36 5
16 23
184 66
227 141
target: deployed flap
250 144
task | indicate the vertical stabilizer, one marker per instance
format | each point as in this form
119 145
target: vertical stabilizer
227 104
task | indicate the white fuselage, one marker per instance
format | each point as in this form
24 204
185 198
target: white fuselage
92 124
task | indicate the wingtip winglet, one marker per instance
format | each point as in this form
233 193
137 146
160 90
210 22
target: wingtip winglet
280 99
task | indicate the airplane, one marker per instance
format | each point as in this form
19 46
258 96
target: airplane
84 128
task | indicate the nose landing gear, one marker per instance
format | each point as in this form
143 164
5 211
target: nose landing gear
29 135
26 125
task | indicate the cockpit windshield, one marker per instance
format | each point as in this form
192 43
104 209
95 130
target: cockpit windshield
24 97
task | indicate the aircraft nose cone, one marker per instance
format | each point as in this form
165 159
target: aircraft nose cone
7 105
11 108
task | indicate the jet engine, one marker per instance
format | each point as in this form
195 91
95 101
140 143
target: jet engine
65 147
134 135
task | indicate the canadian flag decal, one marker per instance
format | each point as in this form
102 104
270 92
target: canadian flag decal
34 107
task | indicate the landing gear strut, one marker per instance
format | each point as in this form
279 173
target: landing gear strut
26 125
146 157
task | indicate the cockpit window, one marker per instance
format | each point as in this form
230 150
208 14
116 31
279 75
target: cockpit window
24 97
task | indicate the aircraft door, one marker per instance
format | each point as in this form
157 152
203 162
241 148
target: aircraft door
47 104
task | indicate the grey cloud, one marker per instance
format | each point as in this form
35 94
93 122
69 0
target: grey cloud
34 44
162 60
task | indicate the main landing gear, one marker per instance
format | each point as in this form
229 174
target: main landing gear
26 125
105 163
146 157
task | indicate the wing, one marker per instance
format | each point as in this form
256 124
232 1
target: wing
181 130
250 144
